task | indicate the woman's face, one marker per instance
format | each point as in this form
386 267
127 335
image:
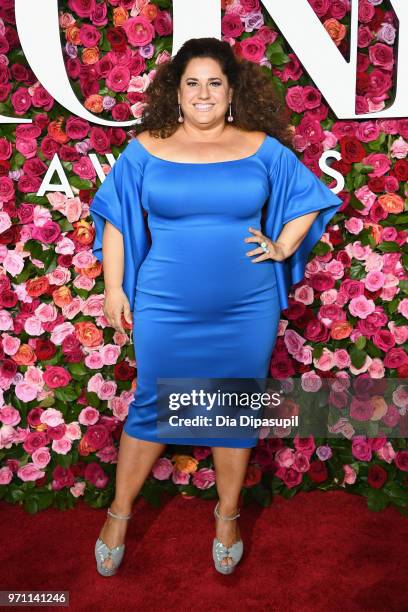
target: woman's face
204 93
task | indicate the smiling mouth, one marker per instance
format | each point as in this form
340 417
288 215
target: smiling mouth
203 107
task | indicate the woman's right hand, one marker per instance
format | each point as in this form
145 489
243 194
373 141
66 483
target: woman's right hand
115 303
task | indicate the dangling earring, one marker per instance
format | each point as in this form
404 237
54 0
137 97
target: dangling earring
230 117
180 117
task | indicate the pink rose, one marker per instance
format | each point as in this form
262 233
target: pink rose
9 415
386 452
162 469
403 308
118 78
350 475
341 358
354 225
41 457
29 472
62 446
84 168
284 457
376 368
21 101
293 341
301 462
88 416
252 49
325 362
181 478
381 55
361 449
139 31
204 478
401 460
89 35
361 307
83 8
6 475
231 25
311 382
374 280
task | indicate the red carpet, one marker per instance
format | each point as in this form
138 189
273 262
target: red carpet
316 552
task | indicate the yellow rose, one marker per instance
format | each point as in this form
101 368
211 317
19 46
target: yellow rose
185 463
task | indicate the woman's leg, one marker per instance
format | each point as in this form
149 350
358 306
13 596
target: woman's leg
135 461
230 468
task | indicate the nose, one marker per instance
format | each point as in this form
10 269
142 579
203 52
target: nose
204 93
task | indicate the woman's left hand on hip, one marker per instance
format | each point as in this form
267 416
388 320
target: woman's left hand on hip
273 249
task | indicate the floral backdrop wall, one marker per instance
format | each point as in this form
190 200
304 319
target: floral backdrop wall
67 377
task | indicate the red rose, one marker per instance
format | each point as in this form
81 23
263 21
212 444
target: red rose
400 170
123 371
96 436
44 349
401 460
395 358
322 281
317 471
253 476
56 376
351 149
377 476
117 39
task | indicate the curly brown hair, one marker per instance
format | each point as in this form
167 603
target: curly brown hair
255 104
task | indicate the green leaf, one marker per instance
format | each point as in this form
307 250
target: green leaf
403 285
66 394
31 505
357 357
360 342
389 247
79 183
77 369
355 203
321 248
377 500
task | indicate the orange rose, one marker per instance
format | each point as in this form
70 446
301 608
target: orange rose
37 286
92 271
94 103
340 330
185 463
88 334
62 296
391 203
120 16
25 355
83 233
336 30
90 55
84 448
56 132
375 230
72 35
380 407
149 11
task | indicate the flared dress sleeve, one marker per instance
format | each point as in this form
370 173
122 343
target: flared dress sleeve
295 191
118 200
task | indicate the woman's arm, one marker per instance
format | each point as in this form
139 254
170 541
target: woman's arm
291 236
113 270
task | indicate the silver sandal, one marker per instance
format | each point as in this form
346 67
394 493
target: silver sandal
103 552
220 551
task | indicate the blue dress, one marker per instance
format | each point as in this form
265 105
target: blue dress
201 307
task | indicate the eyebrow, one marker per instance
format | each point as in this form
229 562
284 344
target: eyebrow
209 78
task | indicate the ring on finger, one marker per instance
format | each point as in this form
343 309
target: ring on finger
264 247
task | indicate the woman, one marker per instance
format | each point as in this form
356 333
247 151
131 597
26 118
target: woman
210 154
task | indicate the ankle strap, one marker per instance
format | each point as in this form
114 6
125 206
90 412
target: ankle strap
118 516
225 518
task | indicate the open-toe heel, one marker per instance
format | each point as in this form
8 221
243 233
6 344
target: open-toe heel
103 552
220 551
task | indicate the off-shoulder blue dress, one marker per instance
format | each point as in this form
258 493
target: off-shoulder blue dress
201 307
